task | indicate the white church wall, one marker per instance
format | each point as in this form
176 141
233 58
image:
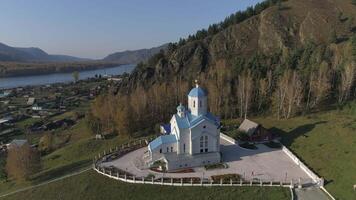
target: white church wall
156 153
197 160
184 141
205 128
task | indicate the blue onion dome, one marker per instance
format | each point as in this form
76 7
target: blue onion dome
197 91
180 107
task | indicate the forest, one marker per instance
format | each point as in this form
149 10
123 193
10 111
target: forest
280 84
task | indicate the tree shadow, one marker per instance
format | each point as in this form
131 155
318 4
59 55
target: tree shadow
341 39
353 29
301 131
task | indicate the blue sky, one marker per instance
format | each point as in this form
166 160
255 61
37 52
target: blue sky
95 28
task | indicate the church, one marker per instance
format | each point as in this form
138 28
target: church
191 139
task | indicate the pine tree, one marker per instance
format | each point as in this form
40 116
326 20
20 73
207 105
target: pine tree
353 46
333 37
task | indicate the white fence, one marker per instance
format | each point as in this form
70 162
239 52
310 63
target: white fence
319 181
197 181
186 181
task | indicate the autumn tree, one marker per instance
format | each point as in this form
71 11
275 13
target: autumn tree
46 143
125 122
22 162
93 123
346 82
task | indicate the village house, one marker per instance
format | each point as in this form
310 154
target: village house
255 131
191 139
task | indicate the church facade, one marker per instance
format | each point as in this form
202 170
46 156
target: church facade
191 139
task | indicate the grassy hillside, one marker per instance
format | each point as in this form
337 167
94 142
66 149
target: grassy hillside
91 185
327 143
75 155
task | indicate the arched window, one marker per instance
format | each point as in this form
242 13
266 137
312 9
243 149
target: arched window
201 141
206 141
193 104
203 144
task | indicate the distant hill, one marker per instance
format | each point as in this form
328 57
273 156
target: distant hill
135 56
32 54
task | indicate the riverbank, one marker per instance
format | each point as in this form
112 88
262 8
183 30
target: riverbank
16 69
33 80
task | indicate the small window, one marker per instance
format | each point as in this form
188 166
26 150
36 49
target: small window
204 126
201 150
160 150
171 149
167 149
193 104
184 148
206 150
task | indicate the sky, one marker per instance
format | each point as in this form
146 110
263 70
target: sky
96 28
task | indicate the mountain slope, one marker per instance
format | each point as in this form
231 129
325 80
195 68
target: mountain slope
135 56
273 38
32 54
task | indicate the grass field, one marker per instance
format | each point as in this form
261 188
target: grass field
326 142
91 185
75 155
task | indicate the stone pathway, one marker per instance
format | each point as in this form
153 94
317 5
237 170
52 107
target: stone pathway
310 193
264 164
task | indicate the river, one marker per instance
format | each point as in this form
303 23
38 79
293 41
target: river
21 81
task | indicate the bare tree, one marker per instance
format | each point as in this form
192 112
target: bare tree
289 93
347 81
244 90
319 86
22 162
262 92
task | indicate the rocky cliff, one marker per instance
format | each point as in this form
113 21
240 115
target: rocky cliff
276 34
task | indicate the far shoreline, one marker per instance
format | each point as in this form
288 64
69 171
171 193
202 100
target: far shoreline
63 77
43 69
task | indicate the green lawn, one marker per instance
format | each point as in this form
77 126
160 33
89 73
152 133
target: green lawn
75 155
327 144
91 185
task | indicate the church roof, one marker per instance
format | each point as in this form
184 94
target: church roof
163 139
167 128
197 92
190 120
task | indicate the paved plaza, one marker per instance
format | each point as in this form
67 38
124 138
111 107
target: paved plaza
265 164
